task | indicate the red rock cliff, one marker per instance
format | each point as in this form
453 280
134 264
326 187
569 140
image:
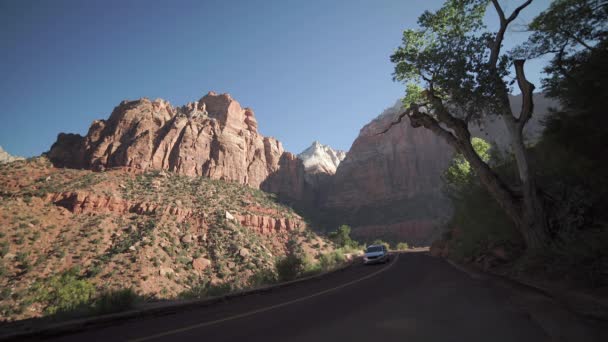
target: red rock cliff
213 137
390 179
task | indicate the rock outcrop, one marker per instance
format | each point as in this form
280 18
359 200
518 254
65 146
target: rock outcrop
5 157
214 137
82 202
390 179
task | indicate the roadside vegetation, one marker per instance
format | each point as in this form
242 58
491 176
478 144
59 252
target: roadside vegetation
540 212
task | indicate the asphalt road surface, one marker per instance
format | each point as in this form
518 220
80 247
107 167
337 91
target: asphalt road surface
413 298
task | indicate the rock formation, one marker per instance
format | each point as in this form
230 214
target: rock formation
214 137
5 157
390 179
385 180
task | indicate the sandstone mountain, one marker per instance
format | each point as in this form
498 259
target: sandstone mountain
5 157
389 184
214 137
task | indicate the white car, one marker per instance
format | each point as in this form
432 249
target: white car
376 254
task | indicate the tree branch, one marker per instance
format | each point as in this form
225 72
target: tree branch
504 23
527 91
418 119
517 10
394 123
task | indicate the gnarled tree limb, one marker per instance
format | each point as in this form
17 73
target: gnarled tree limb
527 90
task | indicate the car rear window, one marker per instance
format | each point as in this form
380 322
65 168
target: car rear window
374 249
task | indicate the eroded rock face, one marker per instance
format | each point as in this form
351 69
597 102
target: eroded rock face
213 137
390 179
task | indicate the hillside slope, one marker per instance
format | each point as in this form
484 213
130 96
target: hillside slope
156 232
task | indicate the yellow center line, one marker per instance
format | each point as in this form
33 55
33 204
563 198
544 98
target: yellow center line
268 308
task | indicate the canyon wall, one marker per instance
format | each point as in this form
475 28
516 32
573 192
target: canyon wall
390 179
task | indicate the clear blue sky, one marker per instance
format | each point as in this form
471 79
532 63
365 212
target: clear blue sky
310 69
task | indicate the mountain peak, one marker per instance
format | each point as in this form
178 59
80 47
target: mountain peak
5 157
319 158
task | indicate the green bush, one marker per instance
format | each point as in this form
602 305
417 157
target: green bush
262 277
341 237
63 293
330 260
290 267
115 301
380 242
402 246
205 290
4 248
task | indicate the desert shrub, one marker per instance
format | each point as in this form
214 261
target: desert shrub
341 237
262 277
115 301
289 267
63 293
380 242
4 248
205 290
330 260
402 246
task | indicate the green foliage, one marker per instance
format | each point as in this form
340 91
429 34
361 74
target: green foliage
115 301
459 175
262 277
3 270
402 246
380 242
478 219
206 290
290 267
413 94
565 27
448 54
328 261
4 248
63 292
341 237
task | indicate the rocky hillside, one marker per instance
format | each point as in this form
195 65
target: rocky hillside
160 233
5 157
214 137
388 184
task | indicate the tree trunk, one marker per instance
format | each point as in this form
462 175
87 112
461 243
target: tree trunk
505 198
534 224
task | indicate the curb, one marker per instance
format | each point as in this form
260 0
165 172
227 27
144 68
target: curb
577 303
72 326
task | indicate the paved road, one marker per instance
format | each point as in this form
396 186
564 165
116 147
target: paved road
414 298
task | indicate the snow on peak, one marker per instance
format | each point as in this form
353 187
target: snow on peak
321 158
5 157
